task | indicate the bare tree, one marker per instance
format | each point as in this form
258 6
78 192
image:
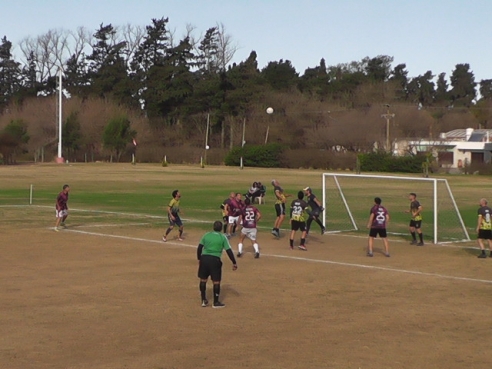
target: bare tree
190 34
172 37
133 36
355 131
81 39
50 50
227 47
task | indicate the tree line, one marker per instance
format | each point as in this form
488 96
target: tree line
146 83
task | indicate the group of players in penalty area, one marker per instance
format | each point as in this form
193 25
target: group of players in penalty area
303 211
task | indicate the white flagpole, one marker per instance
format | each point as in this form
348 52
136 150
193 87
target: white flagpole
206 139
60 114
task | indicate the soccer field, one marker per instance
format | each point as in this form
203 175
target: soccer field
107 293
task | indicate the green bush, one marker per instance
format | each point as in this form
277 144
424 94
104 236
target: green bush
384 162
266 156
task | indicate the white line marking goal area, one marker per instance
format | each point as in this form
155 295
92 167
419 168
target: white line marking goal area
303 259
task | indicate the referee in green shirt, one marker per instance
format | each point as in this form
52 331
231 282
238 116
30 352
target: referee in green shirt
209 252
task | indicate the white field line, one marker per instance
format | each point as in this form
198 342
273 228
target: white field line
109 225
190 220
350 265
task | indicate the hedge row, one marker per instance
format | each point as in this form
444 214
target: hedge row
266 156
384 162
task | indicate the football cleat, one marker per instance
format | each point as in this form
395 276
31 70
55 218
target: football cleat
218 305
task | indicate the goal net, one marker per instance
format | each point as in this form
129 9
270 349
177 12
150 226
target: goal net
348 198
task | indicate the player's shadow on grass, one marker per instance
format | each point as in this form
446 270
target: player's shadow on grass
227 290
474 251
375 250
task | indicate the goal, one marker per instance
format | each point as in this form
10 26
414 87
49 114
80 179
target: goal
348 198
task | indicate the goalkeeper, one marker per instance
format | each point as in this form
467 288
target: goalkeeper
315 210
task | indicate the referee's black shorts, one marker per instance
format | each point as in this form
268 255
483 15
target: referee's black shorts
210 266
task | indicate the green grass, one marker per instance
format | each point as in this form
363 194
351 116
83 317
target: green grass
146 190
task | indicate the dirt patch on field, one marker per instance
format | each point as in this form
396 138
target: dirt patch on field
117 297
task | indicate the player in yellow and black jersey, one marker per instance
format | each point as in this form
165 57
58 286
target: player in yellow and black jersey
415 220
280 198
298 216
484 227
173 216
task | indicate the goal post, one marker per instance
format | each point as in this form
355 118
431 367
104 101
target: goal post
347 199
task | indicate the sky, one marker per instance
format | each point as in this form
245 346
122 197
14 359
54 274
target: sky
424 34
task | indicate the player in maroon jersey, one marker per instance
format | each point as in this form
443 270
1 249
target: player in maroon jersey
233 208
378 220
62 207
250 216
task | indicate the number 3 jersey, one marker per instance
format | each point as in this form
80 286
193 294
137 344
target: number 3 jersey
486 213
249 216
298 210
379 220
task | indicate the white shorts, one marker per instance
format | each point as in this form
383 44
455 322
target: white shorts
250 233
233 220
61 213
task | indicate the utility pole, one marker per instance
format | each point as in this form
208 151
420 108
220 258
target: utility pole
388 117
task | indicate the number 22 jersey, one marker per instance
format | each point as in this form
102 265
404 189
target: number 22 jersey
249 216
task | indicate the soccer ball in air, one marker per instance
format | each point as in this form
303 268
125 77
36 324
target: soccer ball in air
269 110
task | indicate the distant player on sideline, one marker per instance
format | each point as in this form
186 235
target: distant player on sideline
416 220
298 220
316 209
173 216
209 252
280 198
378 220
62 207
249 217
484 228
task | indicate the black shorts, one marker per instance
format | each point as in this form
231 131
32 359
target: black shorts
485 234
280 209
416 224
210 266
295 225
374 232
177 220
314 213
